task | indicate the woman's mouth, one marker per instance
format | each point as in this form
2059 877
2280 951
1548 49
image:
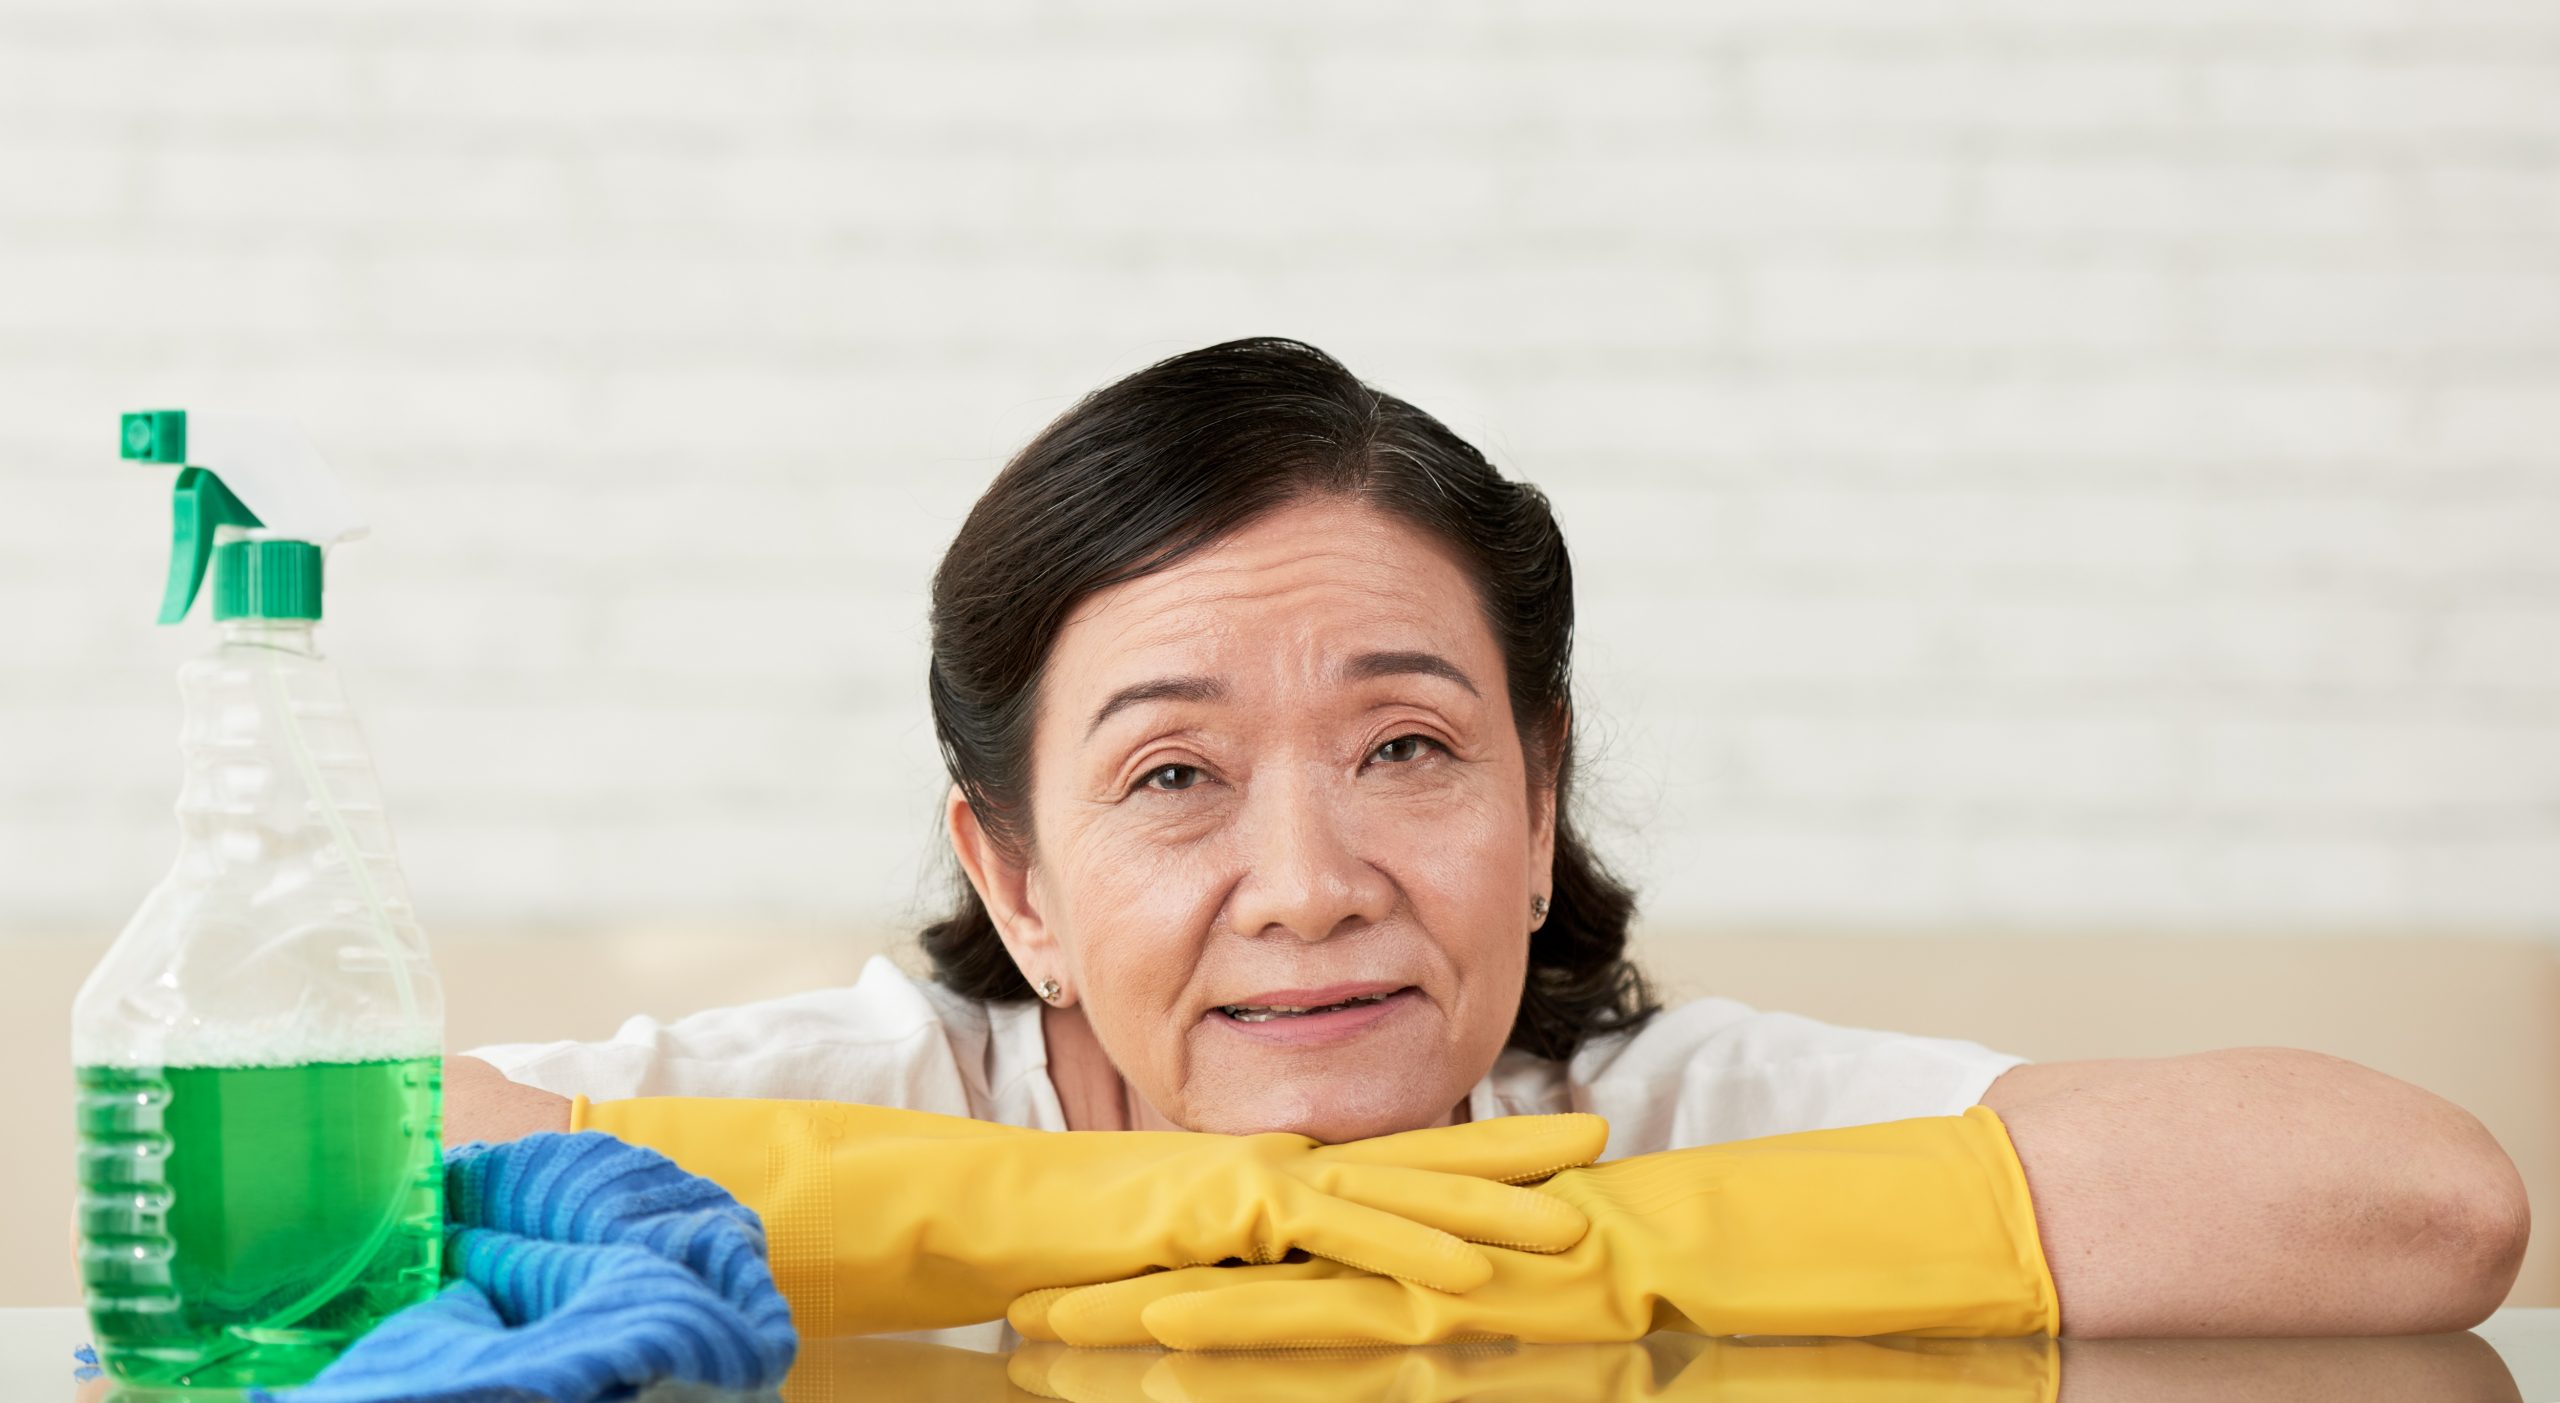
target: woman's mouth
1264 1013
1273 1020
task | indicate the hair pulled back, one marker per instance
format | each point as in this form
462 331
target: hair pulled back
1169 459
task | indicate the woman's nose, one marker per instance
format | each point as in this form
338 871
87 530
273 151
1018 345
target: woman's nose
1303 874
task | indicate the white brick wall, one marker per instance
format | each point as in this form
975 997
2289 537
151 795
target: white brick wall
2064 468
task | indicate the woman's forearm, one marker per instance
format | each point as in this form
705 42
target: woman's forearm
2261 1191
481 1104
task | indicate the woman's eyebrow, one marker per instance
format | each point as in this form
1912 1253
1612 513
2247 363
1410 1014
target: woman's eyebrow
1361 668
1400 664
1190 689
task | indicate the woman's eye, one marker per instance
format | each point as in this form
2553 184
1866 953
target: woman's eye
1173 777
1403 748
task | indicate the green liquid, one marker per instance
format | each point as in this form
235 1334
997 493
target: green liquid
243 1225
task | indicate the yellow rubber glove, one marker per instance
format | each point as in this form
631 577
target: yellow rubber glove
1919 1226
1611 1373
883 1219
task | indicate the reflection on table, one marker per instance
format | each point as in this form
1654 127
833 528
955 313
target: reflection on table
1665 1367
1678 1367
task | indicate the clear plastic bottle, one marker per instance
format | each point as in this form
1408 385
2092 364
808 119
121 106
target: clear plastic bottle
258 1054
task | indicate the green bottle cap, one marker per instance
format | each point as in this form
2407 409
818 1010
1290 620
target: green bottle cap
266 580
156 436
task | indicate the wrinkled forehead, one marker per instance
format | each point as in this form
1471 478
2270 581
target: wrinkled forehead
1302 591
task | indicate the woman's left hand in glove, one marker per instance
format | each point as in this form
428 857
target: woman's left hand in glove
1919 1226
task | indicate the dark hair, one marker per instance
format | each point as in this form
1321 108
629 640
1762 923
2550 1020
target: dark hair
1167 460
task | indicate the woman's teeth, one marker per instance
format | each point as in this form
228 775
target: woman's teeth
1264 1013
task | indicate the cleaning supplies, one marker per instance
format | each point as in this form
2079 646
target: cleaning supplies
584 1269
258 1054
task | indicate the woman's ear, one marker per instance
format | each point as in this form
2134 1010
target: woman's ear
1004 886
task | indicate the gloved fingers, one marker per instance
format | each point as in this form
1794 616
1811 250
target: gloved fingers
1153 1376
1532 1299
1029 1312
1106 1316
1476 1210
1371 1239
1512 1149
1339 1313
1496 1372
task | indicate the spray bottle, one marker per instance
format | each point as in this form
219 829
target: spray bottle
258 1053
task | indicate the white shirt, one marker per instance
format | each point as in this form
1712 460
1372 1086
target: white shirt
1698 1073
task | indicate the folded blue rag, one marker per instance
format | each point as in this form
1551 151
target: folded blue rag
579 1268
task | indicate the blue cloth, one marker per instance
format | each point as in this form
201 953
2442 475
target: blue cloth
579 1268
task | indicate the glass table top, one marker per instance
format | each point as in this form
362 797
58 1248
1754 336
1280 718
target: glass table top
2514 1355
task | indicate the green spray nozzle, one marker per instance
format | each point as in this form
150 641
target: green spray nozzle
202 508
262 483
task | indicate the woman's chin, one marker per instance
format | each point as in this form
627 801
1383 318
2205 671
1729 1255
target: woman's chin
1330 1124
1344 1106
1391 1075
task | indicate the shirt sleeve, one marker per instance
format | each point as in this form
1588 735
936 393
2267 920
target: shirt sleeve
1713 1070
878 1043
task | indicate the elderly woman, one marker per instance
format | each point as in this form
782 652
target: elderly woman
1253 684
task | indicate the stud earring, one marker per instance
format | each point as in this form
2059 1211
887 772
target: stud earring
1537 912
1049 990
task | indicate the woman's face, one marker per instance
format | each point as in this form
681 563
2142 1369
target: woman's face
1280 774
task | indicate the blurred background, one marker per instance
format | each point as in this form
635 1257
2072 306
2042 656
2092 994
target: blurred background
2064 497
